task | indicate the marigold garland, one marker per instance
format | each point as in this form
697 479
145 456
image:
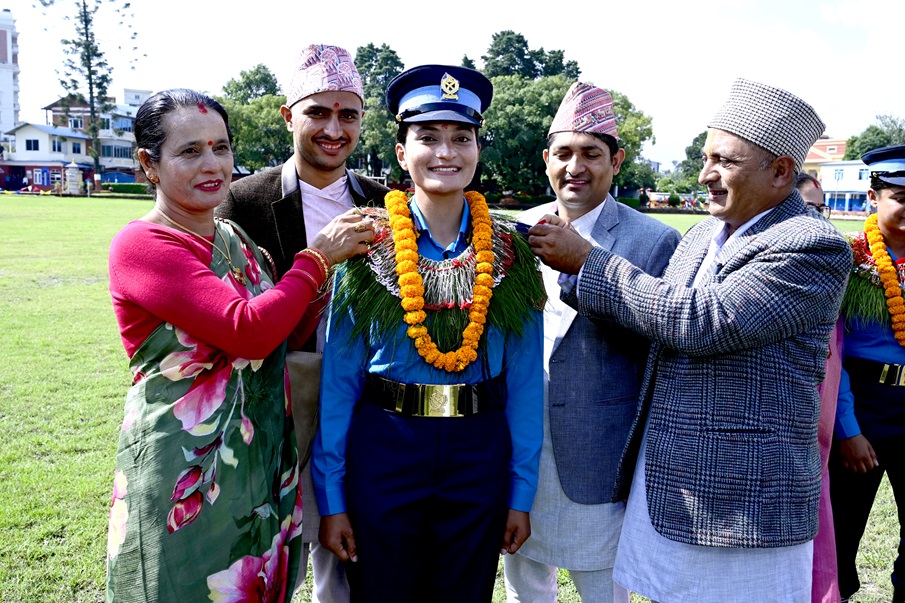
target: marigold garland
889 278
411 288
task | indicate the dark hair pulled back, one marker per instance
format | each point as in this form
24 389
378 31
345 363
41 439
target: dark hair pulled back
148 128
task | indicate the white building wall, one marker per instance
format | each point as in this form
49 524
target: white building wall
9 74
45 152
845 184
24 153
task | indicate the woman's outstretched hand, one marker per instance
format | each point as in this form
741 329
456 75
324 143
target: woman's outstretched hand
348 234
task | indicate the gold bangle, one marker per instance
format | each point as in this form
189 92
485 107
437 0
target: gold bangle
323 258
314 282
320 257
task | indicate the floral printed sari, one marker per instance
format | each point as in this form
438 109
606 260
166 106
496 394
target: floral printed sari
206 502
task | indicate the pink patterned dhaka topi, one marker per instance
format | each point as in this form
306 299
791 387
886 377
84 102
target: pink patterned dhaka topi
585 108
323 68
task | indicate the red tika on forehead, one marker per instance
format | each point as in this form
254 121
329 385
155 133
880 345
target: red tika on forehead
202 108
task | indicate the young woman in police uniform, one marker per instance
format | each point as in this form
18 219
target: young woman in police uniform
426 462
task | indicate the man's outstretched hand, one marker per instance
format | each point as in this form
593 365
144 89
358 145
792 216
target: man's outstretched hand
558 245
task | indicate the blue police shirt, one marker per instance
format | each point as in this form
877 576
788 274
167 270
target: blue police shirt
392 355
867 341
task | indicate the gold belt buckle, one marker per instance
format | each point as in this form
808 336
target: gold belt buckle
439 400
899 378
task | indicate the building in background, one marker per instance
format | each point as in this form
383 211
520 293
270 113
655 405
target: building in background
824 150
9 76
117 141
845 185
36 155
41 156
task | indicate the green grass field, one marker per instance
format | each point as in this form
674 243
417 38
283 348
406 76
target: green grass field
63 379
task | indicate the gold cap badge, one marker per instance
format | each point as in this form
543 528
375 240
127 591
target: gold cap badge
450 87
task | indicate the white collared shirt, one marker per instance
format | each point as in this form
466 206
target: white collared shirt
321 205
553 310
719 240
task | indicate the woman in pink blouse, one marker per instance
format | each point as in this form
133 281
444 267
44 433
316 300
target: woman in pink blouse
206 504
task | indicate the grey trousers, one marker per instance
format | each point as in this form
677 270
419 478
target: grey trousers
529 581
328 573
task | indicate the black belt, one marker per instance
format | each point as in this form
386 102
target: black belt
869 371
428 400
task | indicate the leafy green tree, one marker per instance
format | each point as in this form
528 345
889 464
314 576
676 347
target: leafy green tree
894 126
260 138
377 146
554 63
635 128
253 102
666 183
873 137
509 54
672 181
254 83
638 174
515 130
515 133
86 75
377 67
467 62
888 131
687 171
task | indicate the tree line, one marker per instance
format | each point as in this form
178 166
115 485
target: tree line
888 130
528 86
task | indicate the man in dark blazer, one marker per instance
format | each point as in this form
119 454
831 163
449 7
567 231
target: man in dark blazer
325 125
593 368
723 506
283 207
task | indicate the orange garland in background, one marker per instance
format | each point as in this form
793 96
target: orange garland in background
411 288
889 278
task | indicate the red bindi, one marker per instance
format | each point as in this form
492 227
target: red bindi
445 126
202 108
210 143
336 105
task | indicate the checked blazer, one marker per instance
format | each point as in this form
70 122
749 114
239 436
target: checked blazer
275 220
729 397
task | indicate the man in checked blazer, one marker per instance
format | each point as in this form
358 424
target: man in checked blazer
723 504
593 368
282 208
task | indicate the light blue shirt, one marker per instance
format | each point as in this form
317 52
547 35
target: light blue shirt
868 341
392 355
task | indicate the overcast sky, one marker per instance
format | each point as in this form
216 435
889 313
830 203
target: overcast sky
674 60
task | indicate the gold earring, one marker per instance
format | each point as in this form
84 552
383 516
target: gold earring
153 178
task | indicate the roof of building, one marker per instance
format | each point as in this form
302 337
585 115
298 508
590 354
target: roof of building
121 109
819 152
45 163
52 130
